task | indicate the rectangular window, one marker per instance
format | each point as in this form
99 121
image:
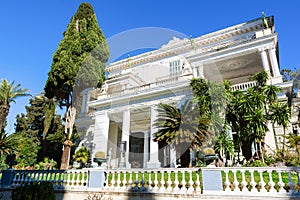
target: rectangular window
175 67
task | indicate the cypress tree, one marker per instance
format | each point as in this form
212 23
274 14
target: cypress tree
78 63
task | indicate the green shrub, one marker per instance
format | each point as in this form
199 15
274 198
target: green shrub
270 159
34 191
258 163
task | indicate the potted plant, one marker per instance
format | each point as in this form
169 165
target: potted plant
81 157
99 158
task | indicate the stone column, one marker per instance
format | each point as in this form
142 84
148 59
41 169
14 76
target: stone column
125 137
264 60
146 148
195 71
201 71
101 132
274 63
154 161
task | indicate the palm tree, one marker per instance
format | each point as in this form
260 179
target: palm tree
280 113
271 92
6 144
257 128
8 93
294 142
49 108
261 78
181 126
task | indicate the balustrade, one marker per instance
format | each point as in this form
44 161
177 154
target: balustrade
154 181
249 181
262 180
243 86
60 179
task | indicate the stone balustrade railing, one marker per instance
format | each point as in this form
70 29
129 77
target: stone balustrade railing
267 180
70 179
243 86
165 180
250 181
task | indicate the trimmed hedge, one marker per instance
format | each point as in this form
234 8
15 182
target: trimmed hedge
34 191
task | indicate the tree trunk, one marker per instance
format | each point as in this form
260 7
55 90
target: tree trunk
4 110
65 158
246 149
284 139
261 154
275 138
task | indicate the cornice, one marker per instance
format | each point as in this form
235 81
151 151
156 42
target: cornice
202 44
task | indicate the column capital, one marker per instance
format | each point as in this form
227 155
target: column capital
267 47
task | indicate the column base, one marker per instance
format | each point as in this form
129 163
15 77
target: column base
153 164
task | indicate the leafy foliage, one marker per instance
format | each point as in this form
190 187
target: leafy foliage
182 127
30 129
32 191
248 113
79 58
82 155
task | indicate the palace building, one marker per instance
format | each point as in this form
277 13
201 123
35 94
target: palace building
118 119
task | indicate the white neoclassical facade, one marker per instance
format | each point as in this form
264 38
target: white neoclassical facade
122 113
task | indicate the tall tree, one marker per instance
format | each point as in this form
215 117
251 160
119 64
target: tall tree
9 92
212 100
30 128
78 63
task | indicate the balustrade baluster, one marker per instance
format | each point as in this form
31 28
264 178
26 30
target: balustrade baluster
129 186
271 182
29 178
61 179
26 179
261 182
235 181
190 183
148 181
114 180
162 187
79 177
73 176
106 186
69 182
183 183
291 184
244 182
55 181
252 182
123 181
169 182
84 179
118 186
51 180
227 182
155 188
136 181
198 187
176 182
143 188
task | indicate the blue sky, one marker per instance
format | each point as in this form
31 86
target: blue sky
31 30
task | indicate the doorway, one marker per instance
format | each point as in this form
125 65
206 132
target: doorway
136 150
